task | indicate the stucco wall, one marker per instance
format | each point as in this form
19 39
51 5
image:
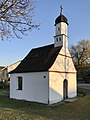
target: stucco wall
63 68
62 30
63 63
55 87
35 87
56 81
72 85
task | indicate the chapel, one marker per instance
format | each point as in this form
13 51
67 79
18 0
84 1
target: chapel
47 74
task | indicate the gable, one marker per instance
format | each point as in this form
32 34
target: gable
38 59
63 63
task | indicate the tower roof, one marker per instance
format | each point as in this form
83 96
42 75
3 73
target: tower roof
61 18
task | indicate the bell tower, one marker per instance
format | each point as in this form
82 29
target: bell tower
61 29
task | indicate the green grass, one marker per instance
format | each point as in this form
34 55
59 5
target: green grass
20 110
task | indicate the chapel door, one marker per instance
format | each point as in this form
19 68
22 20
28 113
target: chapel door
65 89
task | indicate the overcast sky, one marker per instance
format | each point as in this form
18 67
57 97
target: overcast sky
46 11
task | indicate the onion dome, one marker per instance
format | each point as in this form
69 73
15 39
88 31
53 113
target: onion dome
61 18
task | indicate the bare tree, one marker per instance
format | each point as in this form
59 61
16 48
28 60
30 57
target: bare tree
81 52
16 17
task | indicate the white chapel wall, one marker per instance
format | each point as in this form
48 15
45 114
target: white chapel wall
55 87
35 87
72 85
56 81
58 73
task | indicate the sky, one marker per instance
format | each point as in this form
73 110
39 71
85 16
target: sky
46 11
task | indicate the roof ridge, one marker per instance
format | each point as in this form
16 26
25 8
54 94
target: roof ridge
43 46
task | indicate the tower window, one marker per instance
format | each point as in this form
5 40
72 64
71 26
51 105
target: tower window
59 39
58 29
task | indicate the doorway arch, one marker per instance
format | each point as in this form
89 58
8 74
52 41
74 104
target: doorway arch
65 89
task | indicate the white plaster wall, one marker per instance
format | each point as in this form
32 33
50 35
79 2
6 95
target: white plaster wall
67 52
63 28
35 87
58 64
58 29
58 41
63 64
63 68
69 62
70 66
61 32
55 87
72 85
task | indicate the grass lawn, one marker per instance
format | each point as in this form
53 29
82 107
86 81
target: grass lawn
20 110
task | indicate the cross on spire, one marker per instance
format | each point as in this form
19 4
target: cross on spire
61 10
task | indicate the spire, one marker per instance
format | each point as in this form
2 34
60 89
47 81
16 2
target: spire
61 10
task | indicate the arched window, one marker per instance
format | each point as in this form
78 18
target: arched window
20 82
